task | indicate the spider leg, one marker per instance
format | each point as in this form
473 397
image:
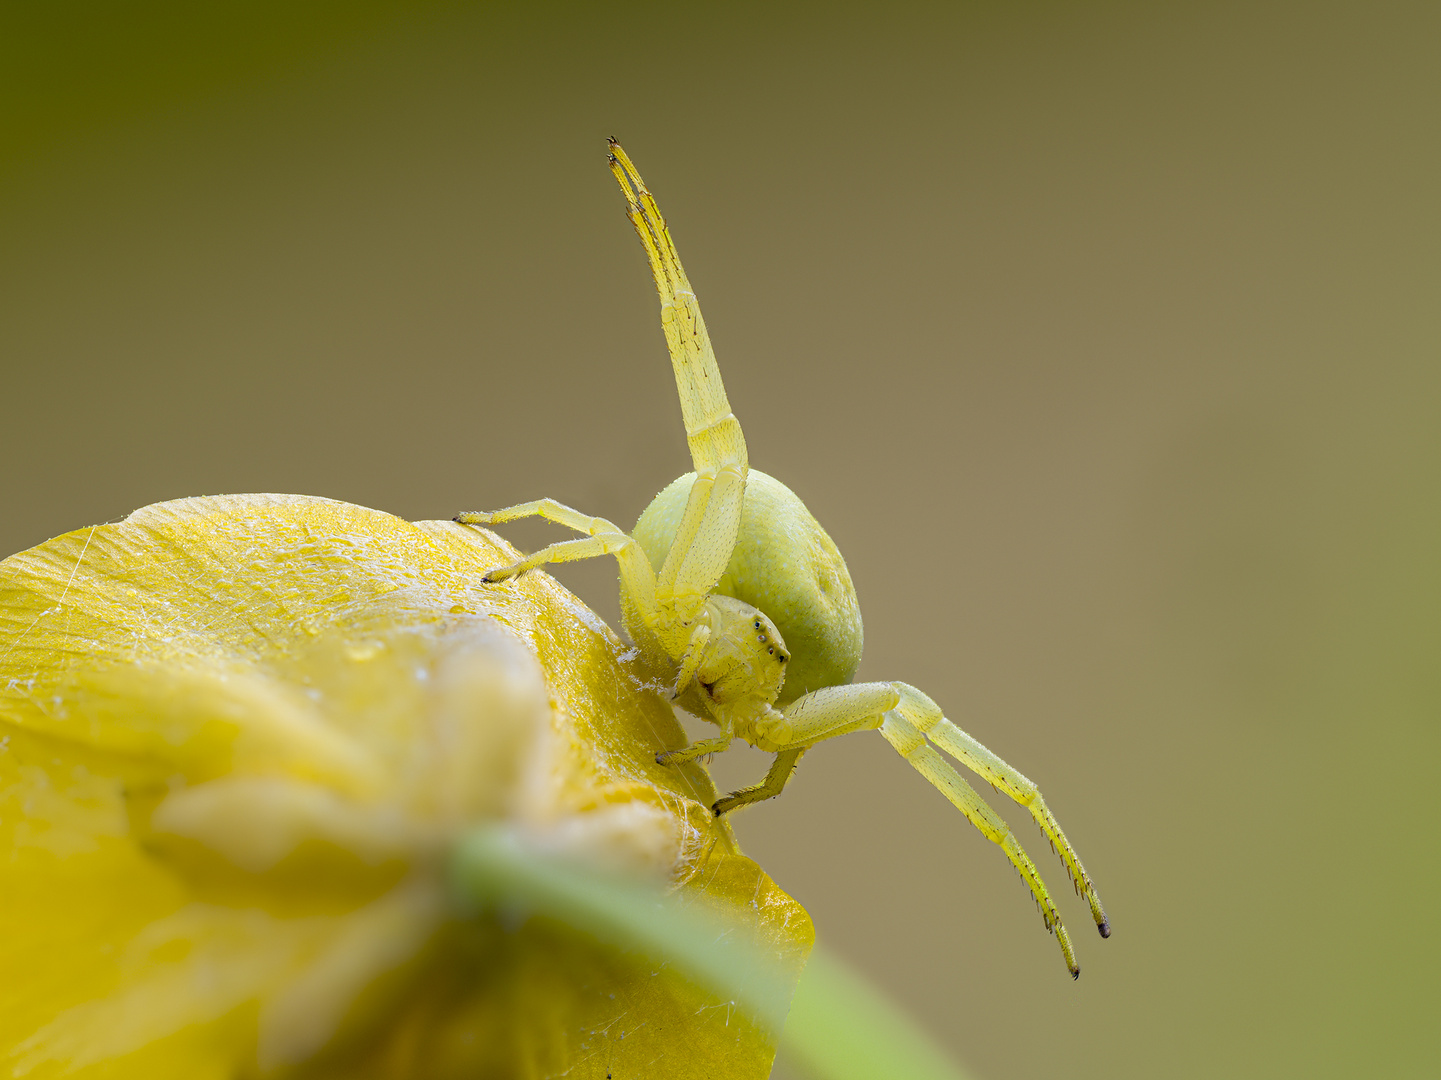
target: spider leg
707 532
776 778
911 745
927 717
711 428
691 661
703 543
695 750
605 539
839 710
564 551
548 509
823 714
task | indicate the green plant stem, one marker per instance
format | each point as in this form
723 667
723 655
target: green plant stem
840 1028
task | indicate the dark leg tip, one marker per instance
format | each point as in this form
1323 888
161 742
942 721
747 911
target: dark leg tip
1105 928
1075 974
724 806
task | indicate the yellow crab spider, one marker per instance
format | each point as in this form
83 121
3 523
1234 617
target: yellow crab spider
730 588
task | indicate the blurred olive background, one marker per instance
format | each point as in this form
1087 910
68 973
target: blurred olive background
1106 343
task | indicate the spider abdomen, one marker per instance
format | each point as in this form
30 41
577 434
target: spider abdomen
785 565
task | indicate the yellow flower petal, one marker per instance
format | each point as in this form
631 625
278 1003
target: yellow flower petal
239 736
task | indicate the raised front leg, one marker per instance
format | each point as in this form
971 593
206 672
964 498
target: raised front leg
707 532
711 428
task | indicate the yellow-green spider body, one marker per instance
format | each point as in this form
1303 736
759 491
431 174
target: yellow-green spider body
735 594
783 564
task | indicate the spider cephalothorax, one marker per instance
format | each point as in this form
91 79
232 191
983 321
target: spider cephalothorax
729 585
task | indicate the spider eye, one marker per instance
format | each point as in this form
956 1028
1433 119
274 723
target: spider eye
772 650
758 624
